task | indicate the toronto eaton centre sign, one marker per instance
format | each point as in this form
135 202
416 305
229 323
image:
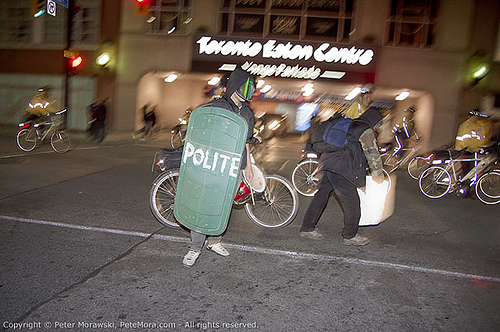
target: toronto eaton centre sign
286 59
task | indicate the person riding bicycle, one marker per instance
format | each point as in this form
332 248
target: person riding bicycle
40 106
404 130
361 105
474 133
239 92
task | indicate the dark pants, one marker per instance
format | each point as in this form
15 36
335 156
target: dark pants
349 200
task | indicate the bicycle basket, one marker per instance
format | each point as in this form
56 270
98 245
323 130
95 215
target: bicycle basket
57 119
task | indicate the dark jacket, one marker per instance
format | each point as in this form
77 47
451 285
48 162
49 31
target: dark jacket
236 79
350 161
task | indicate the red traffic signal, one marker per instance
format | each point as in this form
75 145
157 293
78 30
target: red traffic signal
76 62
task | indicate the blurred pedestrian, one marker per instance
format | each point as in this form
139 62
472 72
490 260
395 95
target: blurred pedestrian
97 128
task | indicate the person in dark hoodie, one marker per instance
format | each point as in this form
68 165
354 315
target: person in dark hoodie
239 91
344 170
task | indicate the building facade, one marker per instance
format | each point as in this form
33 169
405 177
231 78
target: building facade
429 48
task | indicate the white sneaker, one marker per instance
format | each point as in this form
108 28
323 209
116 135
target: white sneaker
218 249
190 258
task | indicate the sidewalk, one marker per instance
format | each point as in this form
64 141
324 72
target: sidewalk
113 136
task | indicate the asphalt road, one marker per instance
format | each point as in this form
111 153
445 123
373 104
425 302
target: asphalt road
81 251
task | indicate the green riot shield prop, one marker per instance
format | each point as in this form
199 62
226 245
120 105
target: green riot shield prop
209 173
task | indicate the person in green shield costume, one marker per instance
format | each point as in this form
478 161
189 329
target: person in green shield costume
239 92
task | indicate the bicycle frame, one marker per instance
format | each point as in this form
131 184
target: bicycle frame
480 164
51 129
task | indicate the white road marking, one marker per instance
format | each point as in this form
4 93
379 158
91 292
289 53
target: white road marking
260 250
26 154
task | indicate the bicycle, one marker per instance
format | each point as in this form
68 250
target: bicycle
32 134
147 132
307 175
437 181
177 136
269 201
418 165
395 158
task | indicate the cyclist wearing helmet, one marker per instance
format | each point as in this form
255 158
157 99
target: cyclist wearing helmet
41 104
361 105
239 91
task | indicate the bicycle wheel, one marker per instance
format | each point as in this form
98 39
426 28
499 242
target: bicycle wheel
26 139
176 140
435 182
488 188
306 177
390 162
277 206
60 141
417 166
161 197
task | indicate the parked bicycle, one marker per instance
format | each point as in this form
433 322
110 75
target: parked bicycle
307 175
178 132
269 200
484 177
34 133
177 136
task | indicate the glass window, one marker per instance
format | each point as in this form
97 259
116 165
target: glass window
172 17
18 28
248 23
411 23
293 19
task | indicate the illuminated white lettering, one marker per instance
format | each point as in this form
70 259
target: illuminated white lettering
240 48
287 51
366 57
273 50
282 70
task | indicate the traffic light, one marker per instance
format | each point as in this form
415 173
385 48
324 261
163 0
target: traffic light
142 7
74 64
38 8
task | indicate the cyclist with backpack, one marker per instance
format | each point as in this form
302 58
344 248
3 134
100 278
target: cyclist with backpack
347 145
